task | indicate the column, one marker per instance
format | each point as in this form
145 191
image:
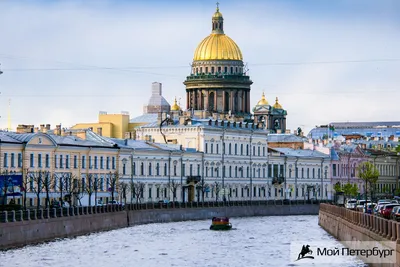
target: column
248 101
187 100
207 96
201 100
223 101
244 101
231 101
215 100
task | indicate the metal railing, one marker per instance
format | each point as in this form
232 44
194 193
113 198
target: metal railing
388 229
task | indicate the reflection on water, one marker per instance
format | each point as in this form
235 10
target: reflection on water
256 241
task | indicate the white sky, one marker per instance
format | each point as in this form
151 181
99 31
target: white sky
143 42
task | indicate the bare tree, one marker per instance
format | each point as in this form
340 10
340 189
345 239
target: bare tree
113 183
217 187
5 186
138 191
36 179
79 192
173 186
91 186
201 186
70 185
123 189
24 188
47 185
132 190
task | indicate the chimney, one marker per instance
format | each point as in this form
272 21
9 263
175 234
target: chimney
36 130
42 129
100 131
58 130
48 127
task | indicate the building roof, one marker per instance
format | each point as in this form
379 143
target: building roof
5 138
288 138
145 118
366 129
306 153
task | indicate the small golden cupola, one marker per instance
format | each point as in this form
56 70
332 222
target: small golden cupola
175 106
277 105
262 101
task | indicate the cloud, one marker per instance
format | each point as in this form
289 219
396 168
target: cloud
129 45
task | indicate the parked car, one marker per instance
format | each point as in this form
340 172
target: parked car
350 204
379 207
99 202
387 209
360 206
370 208
394 211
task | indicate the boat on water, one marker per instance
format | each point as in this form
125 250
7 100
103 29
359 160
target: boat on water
220 223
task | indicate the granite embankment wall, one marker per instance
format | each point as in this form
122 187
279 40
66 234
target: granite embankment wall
19 230
348 225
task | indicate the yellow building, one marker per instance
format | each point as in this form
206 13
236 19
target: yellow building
62 159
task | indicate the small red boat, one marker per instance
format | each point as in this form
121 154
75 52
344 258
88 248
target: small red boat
220 223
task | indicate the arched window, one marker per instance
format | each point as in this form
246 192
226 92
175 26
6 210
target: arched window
212 70
158 169
165 169
259 153
212 148
141 169
149 168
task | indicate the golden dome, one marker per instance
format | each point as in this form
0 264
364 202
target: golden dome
175 106
217 46
262 101
277 105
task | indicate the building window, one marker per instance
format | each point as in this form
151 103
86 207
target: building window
165 169
313 173
124 169
225 69
302 173
75 161
55 161
319 173
334 169
230 171
95 162
206 70
191 169
231 69
217 148
134 168
269 170
12 160
32 161
175 170
19 160
67 161
149 168
101 162
83 162
158 169
141 168
198 169
90 162
236 149
230 149
254 150
5 163
308 173
149 192
259 154
206 148
61 161
263 151
113 163
247 150
219 69
212 70
40 160
212 148
183 169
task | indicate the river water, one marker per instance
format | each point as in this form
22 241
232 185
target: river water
255 241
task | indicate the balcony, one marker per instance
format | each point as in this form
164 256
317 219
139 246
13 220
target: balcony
193 178
218 76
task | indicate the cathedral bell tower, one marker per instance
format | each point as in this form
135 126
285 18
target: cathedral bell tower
218 83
